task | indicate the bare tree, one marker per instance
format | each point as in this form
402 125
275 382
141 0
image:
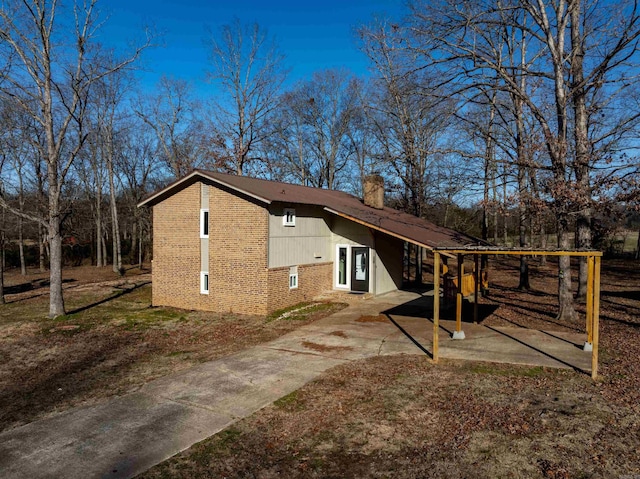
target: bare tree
249 70
287 147
172 114
409 113
566 37
55 66
465 34
138 164
320 113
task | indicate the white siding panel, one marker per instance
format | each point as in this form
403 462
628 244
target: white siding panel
308 242
348 232
389 253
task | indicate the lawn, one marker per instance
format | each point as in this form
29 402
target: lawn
404 417
111 342
396 417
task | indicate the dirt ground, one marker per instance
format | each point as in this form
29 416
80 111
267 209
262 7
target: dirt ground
111 341
404 417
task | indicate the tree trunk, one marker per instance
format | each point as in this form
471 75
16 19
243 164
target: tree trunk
494 188
134 241
566 310
115 228
56 299
543 240
523 165
583 241
2 300
140 247
41 247
581 143
100 259
104 250
23 266
505 225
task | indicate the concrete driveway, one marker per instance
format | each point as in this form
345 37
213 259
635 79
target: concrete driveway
127 435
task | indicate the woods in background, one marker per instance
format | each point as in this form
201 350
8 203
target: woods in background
508 120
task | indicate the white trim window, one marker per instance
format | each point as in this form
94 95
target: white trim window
289 217
204 282
343 266
204 223
293 277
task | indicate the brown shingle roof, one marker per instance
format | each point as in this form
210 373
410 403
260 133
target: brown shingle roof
396 223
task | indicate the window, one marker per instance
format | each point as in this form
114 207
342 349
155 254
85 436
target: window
342 265
293 277
204 282
204 223
289 217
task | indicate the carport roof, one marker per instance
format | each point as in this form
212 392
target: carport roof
387 220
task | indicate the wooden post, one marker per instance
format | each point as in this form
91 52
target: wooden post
596 318
458 333
436 303
590 299
476 288
459 293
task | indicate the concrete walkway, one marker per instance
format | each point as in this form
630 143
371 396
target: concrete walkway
127 435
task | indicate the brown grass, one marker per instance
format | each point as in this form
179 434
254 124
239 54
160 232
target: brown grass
404 417
111 342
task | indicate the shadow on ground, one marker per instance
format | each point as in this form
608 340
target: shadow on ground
31 286
121 291
422 307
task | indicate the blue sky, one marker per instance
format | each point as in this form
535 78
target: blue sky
313 36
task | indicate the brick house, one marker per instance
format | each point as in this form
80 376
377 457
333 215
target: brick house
230 243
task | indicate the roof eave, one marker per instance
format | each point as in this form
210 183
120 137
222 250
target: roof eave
378 228
166 191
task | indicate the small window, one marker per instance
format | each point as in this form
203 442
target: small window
204 282
342 266
289 217
204 223
293 277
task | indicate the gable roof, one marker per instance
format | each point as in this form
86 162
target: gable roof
387 220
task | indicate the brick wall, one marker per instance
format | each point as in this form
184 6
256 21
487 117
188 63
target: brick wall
313 279
238 237
176 251
239 280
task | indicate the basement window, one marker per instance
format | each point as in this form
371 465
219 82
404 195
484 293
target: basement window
293 277
204 223
289 217
204 282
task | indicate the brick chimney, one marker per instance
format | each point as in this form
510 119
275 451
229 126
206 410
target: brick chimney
374 191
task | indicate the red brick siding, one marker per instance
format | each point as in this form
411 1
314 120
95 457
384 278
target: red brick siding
313 279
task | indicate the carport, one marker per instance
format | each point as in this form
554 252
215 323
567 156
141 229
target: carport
593 289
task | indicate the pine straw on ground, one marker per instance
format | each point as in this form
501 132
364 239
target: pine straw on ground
403 417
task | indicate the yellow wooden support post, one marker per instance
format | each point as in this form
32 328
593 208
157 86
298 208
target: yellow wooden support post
476 288
596 318
436 303
458 333
589 343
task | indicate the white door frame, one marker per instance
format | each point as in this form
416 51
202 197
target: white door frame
336 265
